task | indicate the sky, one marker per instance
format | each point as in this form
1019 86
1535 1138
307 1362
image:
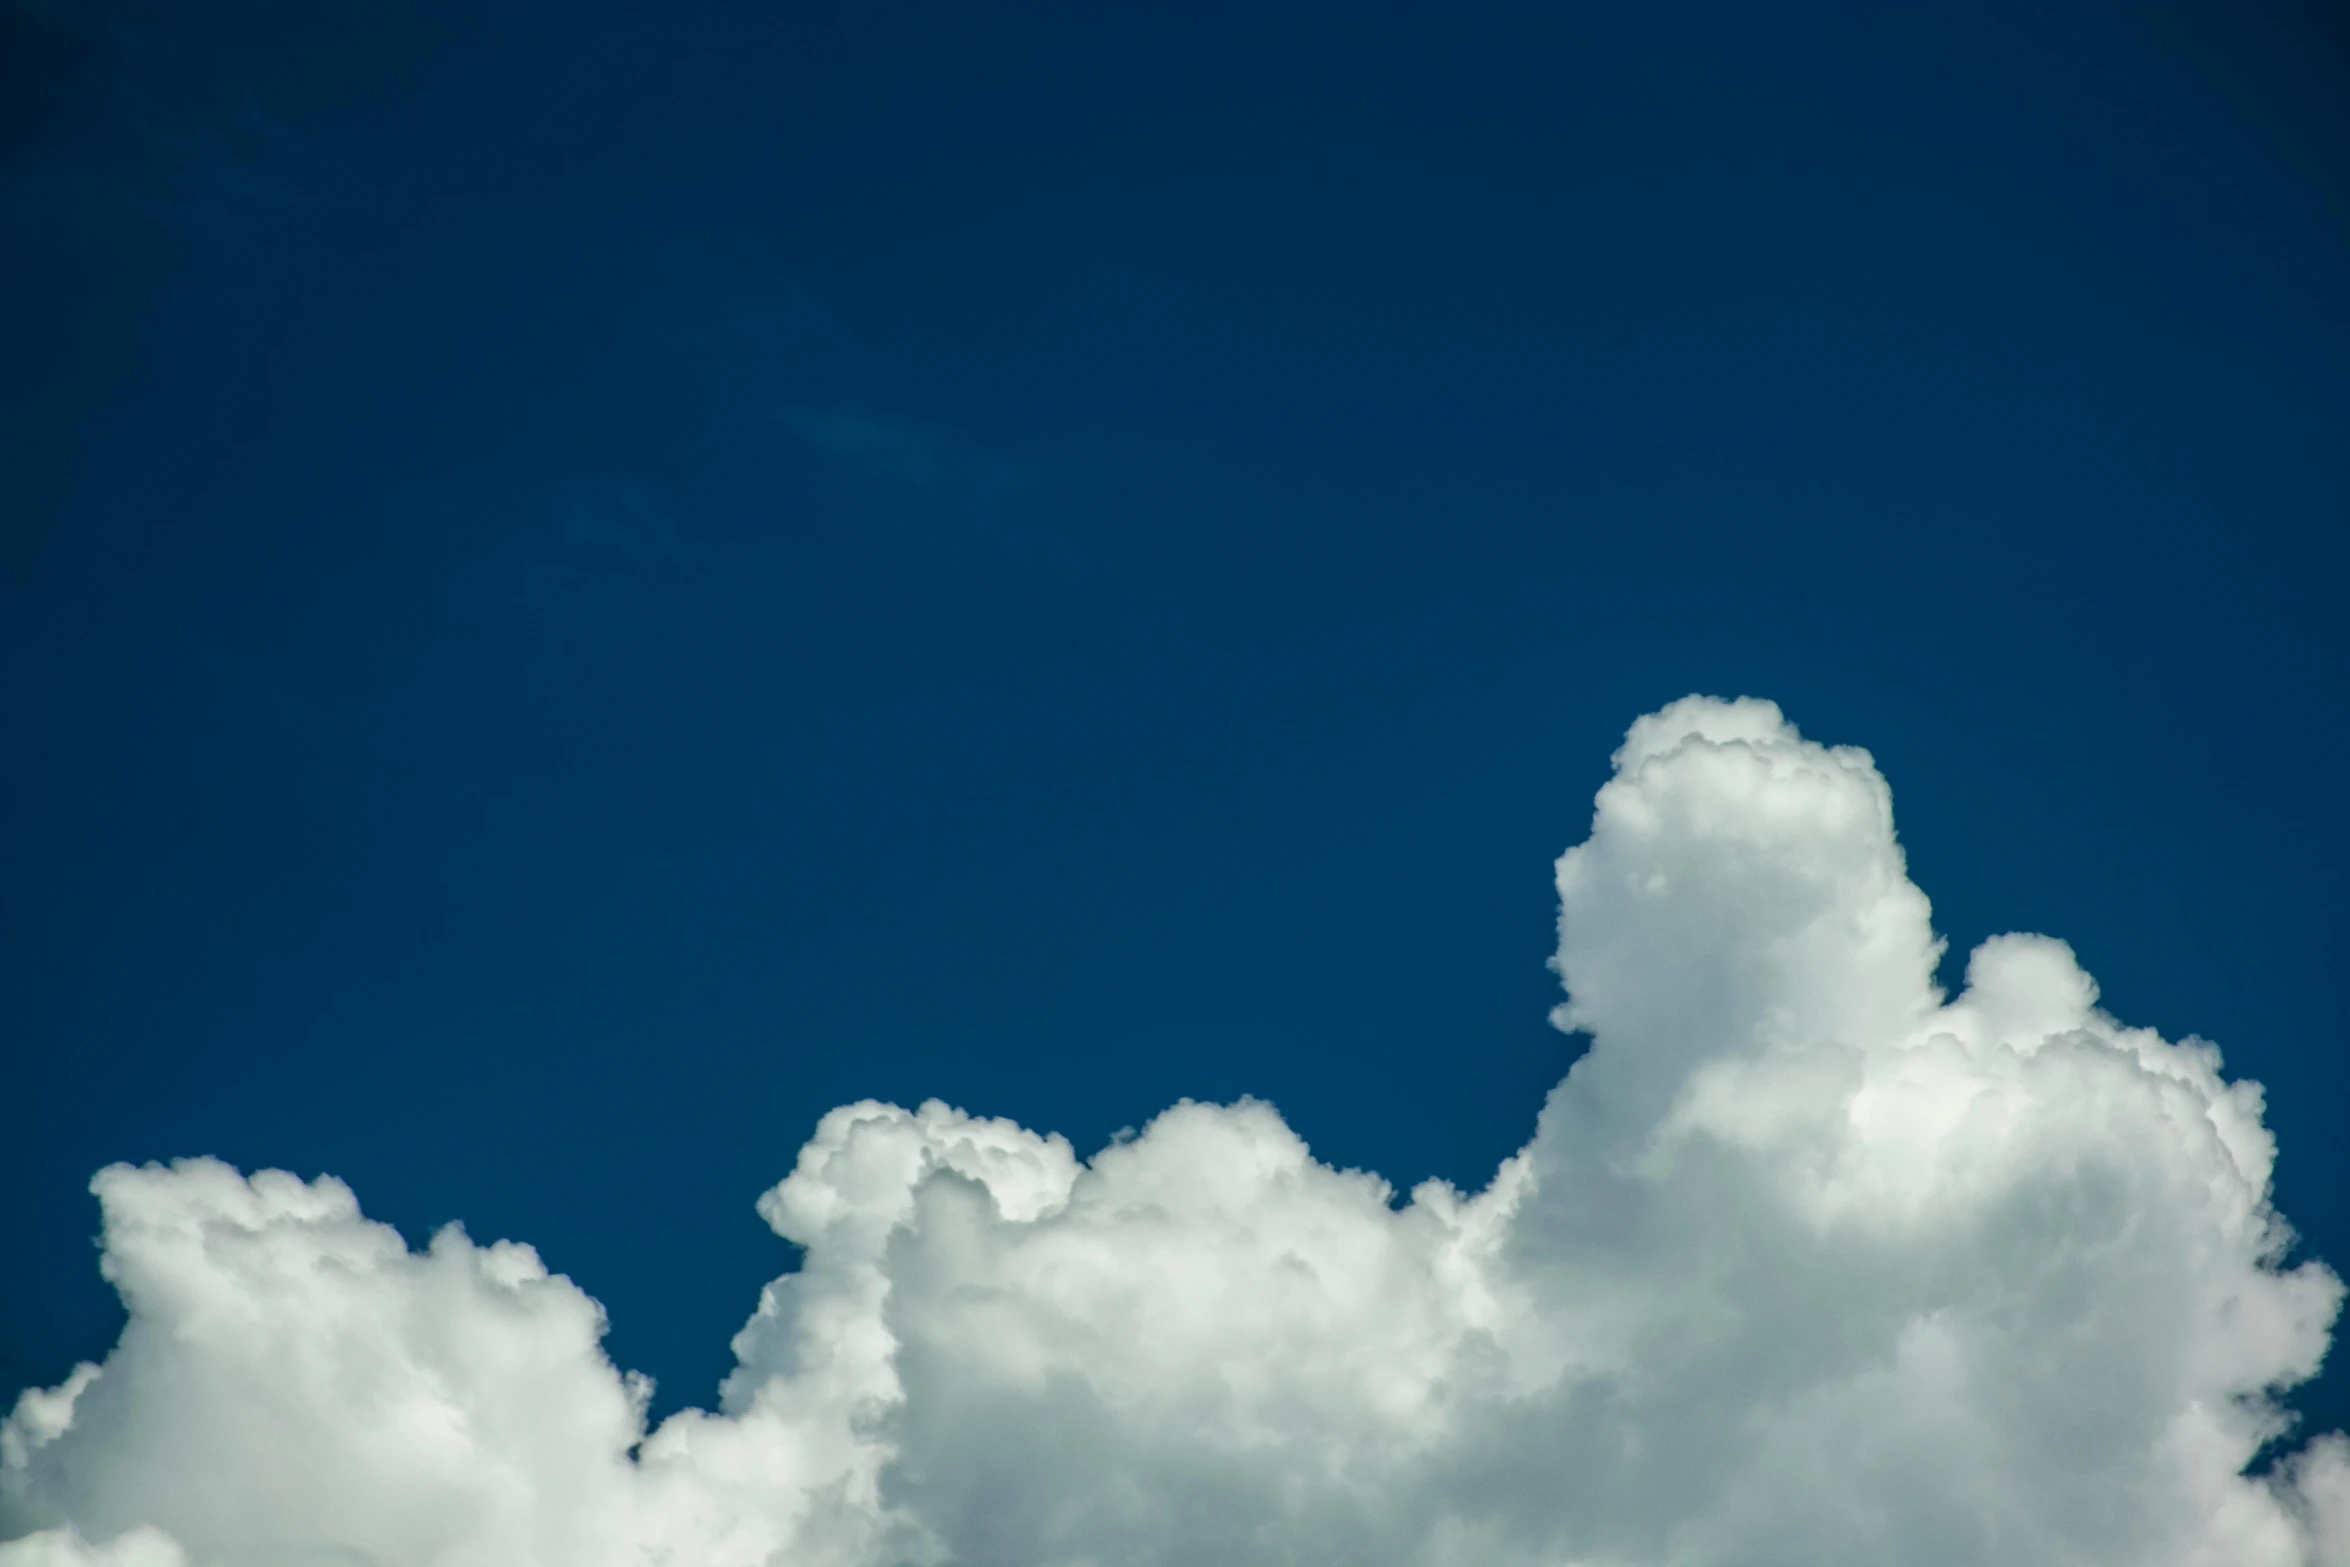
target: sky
580 587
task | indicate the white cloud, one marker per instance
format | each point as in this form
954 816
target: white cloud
1803 1265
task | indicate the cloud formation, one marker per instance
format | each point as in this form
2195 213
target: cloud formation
1805 1263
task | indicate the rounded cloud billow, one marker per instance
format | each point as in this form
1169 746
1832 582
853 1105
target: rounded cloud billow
1804 1264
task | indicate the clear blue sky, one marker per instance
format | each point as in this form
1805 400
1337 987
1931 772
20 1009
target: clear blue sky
583 584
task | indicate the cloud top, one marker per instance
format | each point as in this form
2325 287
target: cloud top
1805 1263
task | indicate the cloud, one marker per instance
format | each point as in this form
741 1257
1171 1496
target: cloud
906 453
1805 1263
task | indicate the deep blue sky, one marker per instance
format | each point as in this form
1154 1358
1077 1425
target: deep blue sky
581 586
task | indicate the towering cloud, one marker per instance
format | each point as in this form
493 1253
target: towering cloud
1804 1264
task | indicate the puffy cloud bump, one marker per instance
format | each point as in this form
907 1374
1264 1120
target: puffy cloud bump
1804 1264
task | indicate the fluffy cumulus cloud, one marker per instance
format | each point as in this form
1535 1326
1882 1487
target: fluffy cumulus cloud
1806 1263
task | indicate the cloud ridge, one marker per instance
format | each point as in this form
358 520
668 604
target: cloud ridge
1805 1263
